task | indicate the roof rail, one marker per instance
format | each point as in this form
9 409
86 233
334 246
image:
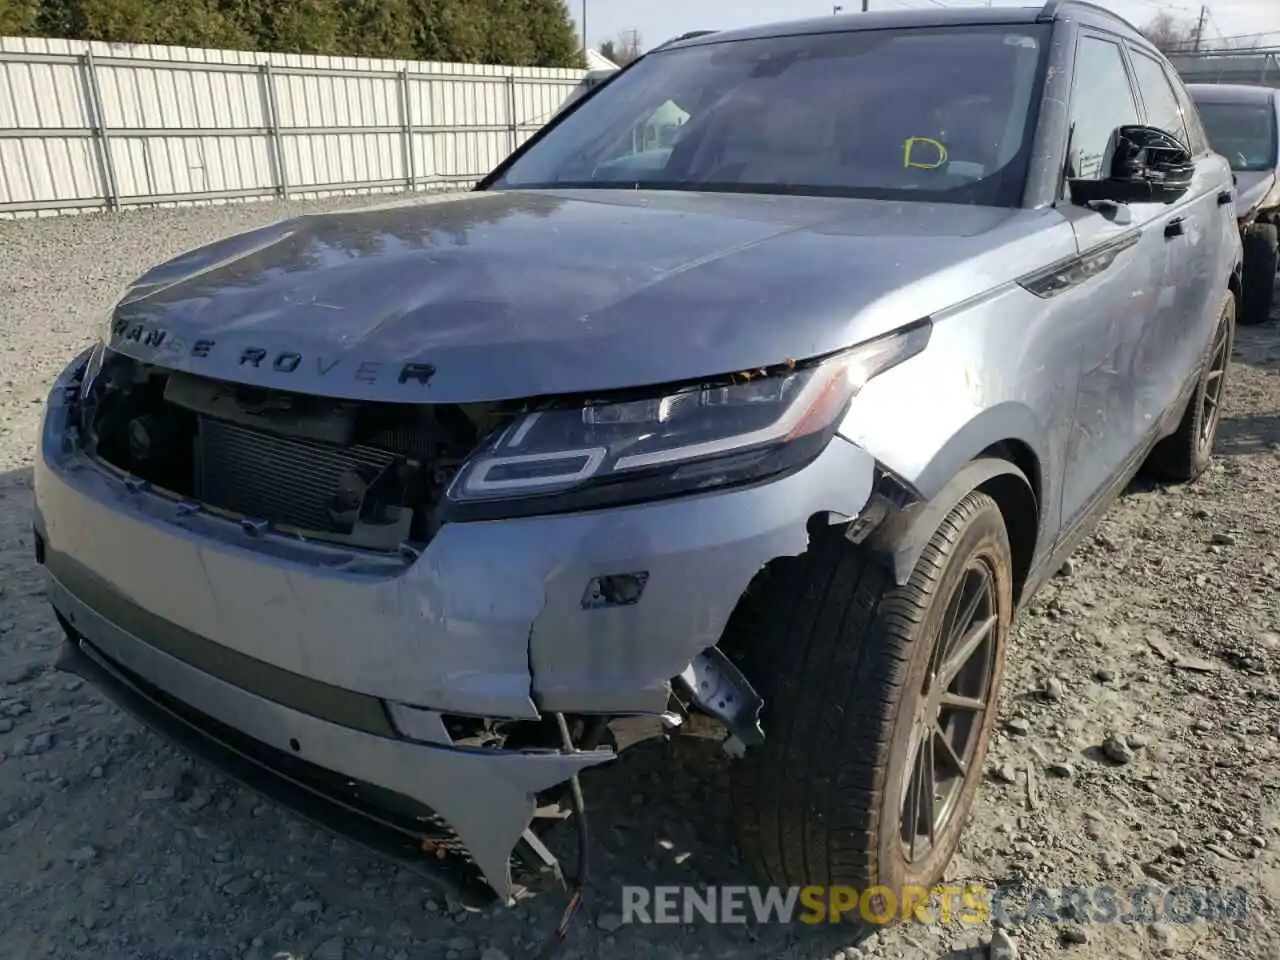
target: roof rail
1049 11
685 36
1053 8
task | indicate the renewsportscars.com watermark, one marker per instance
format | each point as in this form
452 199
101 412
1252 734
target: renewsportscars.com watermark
972 904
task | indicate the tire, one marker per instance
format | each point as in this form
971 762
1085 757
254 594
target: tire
1261 260
1184 455
840 654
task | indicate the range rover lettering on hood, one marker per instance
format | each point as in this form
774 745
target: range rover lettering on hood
510 295
278 361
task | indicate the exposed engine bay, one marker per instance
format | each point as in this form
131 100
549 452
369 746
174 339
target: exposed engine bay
364 474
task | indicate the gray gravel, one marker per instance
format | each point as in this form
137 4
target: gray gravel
1145 744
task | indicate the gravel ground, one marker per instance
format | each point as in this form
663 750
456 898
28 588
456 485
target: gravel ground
1163 634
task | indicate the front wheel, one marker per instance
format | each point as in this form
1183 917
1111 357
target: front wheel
879 704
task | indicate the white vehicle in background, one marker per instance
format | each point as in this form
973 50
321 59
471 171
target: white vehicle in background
1243 124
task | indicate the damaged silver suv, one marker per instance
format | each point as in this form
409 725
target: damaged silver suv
757 390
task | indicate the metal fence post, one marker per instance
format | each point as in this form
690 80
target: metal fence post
102 142
276 146
512 126
406 120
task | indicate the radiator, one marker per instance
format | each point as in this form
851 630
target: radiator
288 482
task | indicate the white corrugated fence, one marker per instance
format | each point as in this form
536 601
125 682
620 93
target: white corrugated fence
88 126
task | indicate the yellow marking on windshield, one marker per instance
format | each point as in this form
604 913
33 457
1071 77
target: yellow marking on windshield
909 147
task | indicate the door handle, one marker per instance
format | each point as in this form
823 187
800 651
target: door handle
1226 198
1173 228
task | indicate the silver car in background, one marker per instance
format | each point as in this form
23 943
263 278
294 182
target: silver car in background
1243 124
769 423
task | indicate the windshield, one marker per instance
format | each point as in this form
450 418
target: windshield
941 114
1244 133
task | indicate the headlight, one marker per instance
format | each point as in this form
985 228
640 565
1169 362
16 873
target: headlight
743 429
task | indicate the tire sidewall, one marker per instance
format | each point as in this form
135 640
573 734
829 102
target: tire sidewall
985 535
1204 447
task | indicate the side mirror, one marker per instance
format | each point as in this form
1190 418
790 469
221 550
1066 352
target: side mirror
1147 166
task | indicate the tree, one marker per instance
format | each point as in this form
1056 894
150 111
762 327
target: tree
447 30
511 32
18 17
506 33
1170 34
293 26
623 50
378 28
176 22
551 30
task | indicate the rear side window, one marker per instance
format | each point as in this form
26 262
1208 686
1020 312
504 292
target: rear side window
1163 110
1101 100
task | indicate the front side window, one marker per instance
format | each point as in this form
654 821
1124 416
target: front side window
1101 102
1163 110
942 114
1244 133
1197 139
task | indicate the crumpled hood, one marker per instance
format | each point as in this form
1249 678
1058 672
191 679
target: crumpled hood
512 294
1255 190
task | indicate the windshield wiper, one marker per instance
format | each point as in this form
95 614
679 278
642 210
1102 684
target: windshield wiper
965 194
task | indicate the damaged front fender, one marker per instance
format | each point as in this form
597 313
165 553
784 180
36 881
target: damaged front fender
900 535
694 558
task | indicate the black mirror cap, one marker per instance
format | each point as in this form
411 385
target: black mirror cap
1148 165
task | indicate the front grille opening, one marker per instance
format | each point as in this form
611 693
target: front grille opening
367 475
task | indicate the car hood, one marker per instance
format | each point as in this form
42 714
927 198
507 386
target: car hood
511 294
1255 190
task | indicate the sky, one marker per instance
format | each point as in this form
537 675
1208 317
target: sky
659 20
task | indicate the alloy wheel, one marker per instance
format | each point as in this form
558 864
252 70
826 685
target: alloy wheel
1211 403
956 694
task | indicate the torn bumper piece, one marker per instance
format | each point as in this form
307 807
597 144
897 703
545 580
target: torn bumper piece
413 802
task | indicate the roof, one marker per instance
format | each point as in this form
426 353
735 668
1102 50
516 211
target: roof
1231 93
915 17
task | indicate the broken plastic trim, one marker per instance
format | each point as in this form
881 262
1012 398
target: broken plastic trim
576 897
900 537
890 495
718 687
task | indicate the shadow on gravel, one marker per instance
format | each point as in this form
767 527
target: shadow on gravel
1248 435
1259 346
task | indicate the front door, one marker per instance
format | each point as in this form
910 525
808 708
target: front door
1173 354
1214 231
1128 303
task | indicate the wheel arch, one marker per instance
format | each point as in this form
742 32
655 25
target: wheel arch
1019 502
994 453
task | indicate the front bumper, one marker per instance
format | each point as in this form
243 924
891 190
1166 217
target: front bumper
348 660
375 815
